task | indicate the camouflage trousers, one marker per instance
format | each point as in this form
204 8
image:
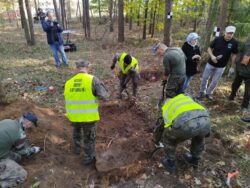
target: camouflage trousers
124 80
87 133
195 129
174 85
11 173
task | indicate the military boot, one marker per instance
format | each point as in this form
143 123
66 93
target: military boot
169 165
191 160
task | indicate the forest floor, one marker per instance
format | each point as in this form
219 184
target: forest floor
124 133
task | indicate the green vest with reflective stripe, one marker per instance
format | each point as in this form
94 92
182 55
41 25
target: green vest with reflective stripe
80 103
133 63
176 106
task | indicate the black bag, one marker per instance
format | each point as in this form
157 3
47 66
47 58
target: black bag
158 130
69 47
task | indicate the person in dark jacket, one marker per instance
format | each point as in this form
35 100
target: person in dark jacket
242 74
192 52
54 38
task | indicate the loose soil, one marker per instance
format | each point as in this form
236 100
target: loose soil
124 144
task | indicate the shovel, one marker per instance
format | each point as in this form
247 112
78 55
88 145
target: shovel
161 100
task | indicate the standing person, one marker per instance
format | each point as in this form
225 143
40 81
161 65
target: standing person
174 68
129 69
81 93
242 74
220 51
54 38
13 145
193 55
183 119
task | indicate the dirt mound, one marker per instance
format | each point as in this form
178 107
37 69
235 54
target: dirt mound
123 140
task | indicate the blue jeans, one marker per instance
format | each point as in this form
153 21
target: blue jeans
56 47
186 83
210 72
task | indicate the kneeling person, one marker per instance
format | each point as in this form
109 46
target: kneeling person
13 146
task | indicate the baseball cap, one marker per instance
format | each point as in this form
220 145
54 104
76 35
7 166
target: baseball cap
81 63
154 48
31 116
230 29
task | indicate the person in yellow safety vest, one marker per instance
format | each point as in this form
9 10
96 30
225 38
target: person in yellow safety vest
81 93
129 69
183 119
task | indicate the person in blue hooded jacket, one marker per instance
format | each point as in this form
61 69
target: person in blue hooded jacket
54 38
193 56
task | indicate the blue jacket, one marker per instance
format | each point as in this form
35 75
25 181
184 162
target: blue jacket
54 33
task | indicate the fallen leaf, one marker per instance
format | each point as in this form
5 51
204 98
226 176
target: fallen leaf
197 181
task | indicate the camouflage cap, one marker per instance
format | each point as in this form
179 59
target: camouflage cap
81 63
155 47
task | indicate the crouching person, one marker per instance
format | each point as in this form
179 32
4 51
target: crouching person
13 145
184 119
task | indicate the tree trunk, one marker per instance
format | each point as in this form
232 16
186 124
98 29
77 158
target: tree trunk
111 26
31 27
145 21
154 20
78 9
56 11
99 9
150 21
222 15
131 16
24 22
120 21
230 12
115 10
208 29
68 10
63 14
86 18
167 23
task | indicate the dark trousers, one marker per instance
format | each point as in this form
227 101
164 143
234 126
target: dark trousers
124 79
235 86
87 133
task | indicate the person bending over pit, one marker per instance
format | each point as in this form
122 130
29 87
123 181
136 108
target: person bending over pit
129 69
13 145
174 66
182 119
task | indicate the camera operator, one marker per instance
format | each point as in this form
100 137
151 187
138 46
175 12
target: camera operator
54 38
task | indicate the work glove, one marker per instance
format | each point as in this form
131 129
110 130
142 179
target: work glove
112 67
36 149
230 72
164 82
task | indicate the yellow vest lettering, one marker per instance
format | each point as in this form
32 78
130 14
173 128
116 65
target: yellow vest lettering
80 103
176 106
133 63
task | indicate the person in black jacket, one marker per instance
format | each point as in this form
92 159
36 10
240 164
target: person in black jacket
54 38
192 52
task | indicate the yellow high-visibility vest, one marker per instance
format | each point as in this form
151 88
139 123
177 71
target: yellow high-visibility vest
176 106
80 103
133 63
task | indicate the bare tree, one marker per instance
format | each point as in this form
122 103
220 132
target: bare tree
111 26
168 22
68 10
120 21
63 14
24 22
222 15
86 18
154 20
99 9
31 27
145 20
56 11
208 29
